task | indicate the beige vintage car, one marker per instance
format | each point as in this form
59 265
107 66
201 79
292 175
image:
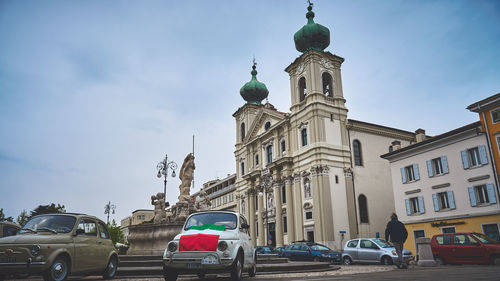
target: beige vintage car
8 228
57 245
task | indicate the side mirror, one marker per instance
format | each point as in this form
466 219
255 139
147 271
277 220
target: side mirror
79 232
245 226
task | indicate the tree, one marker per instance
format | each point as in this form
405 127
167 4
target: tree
47 209
3 218
116 233
22 219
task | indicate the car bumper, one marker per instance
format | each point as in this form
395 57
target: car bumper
22 267
192 262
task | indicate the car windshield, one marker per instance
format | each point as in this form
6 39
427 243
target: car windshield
382 243
226 219
485 239
319 248
50 223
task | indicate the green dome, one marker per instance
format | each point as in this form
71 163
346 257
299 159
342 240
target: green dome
254 91
312 36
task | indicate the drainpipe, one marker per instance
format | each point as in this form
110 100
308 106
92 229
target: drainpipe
490 150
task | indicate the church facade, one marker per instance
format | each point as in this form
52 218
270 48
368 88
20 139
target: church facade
311 173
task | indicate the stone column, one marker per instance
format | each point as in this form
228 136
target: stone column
317 206
297 207
290 216
261 239
425 257
251 213
279 216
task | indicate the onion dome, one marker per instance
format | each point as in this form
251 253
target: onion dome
312 36
254 91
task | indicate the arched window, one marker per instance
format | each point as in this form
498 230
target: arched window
307 188
267 125
242 130
302 89
356 146
363 209
269 150
303 134
327 84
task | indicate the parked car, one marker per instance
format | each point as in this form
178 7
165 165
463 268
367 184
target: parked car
211 241
8 228
57 245
279 250
263 250
465 247
371 250
309 251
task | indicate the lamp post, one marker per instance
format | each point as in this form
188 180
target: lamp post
162 168
109 208
265 187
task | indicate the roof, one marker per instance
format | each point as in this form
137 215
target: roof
71 214
433 139
143 210
485 103
381 126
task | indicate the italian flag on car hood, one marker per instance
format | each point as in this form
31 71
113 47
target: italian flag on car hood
201 238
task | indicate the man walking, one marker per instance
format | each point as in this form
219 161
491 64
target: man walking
397 232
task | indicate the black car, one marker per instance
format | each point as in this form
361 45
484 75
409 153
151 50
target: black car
309 251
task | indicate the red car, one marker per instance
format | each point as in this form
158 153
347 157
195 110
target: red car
465 247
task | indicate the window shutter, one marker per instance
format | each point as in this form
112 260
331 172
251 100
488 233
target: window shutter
415 170
421 204
444 162
451 199
429 168
491 193
407 203
465 159
435 201
403 175
472 196
482 154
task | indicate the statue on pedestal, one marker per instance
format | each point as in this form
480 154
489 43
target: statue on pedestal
186 176
158 201
204 203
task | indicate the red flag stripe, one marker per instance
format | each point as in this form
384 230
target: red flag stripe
198 242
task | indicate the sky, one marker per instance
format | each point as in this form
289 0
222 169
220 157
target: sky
93 94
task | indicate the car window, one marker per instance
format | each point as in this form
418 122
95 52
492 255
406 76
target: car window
226 219
382 243
352 244
103 231
9 231
50 223
485 239
443 239
367 244
88 226
464 239
304 248
319 248
243 221
289 247
296 247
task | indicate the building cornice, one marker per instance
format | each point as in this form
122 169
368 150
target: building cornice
485 103
461 216
376 129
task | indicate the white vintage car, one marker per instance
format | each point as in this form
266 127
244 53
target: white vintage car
211 241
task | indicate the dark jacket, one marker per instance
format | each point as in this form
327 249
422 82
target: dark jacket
396 230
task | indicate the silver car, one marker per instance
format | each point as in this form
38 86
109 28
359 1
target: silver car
371 250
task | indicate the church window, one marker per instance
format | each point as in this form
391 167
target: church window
256 159
283 146
309 215
269 150
303 134
242 129
302 89
307 188
363 209
283 194
327 84
242 168
358 161
267 125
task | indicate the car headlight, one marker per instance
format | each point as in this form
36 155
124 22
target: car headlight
35 250
172 247
222 246
394 253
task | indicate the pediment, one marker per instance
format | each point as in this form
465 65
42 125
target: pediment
265 115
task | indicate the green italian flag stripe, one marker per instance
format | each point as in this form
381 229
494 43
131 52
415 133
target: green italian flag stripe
209 226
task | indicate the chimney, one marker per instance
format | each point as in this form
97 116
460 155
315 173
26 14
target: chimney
419 135
396 145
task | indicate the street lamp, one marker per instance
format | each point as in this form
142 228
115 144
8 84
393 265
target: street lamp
162 168
109 208
265 187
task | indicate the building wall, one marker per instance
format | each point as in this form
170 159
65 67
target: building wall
494 132
140 216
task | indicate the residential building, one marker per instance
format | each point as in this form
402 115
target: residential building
137 217
312 173
446 184
221 193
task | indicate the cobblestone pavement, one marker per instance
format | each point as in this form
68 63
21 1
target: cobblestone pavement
355 272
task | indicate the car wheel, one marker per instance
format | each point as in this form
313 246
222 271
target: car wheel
439 260
252 271
201 275
170 274
386 261
347 261
111 269
495 260
58 271
236 271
